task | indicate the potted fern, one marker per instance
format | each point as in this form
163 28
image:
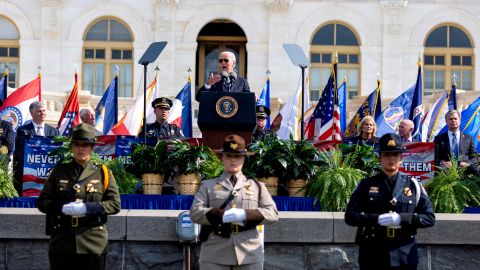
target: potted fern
452 189
150 162
302 163
193 163
6 180
336 180
268 163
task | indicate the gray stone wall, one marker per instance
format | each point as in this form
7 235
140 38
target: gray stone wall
300 240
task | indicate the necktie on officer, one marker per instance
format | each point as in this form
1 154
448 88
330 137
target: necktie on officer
233 180
454 146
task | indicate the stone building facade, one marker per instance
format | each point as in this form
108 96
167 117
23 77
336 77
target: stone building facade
386 39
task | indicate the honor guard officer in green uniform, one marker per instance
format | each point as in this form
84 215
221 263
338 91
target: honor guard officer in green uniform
261 133
77 197
387 209
161 129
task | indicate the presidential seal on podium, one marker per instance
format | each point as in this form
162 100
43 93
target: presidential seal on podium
227 107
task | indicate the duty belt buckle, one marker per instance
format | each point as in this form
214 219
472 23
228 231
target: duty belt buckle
234 228
390 232
74 222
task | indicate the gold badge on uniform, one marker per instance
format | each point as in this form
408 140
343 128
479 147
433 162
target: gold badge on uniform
373 189
218 187
391 143
248 187
407 191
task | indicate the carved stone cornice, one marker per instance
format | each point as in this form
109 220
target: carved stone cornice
277 5
166 2
51 3
394 3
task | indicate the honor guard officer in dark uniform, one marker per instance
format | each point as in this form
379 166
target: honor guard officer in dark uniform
387 209
260 132
161 129
77 197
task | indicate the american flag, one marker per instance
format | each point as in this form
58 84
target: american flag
324 124
70 116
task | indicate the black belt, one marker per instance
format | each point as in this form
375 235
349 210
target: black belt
226 229
74 222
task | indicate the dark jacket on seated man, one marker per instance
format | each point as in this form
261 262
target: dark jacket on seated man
240 85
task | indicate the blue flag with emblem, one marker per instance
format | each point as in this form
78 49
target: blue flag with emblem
3 86
264 99
416 110
106 112
470 123
342 105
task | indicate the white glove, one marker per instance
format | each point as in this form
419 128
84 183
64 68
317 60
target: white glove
234 215
74 209
389 219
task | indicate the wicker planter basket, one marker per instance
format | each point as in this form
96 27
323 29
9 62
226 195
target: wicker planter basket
296 187
189 183
271 183
152 183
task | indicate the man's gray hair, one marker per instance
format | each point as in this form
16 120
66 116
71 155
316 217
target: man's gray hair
84 112
35 105
452 112
231 55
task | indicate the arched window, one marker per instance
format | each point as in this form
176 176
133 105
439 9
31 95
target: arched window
108 45
9 50
448 53
330 39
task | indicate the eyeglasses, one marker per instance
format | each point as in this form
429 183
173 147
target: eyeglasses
221 60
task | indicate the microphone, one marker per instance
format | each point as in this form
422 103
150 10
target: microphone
233 76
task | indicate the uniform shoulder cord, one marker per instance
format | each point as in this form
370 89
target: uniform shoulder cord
105 177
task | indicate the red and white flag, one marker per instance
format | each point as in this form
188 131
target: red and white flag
15 108
71 113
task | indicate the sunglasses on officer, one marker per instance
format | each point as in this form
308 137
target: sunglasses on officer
221 60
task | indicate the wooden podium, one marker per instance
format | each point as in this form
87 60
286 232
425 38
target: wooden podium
221 114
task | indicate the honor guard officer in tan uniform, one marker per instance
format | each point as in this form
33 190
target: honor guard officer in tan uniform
77 197
387 209
161 129
229 208
261 133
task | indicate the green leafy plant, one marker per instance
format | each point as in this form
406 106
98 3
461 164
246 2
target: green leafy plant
451 190
336 180
270 159
126 181
361 157
64 151
6 179
194 159
150 159
302 159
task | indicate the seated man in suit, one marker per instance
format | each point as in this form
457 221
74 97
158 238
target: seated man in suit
37 126
87 115
227 80
454 143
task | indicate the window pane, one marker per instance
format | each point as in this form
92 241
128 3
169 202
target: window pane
353 58
127 54
118 32
467 80
438 38
458 38
428 79
466 60
13 52
439 60
324 36
314 79
99 54
345 36
89 53
116 54
3 52
440 80
88 77
342 73
315 57
99 79
98 31
428 59
324 75
12 74
211 61
342 58
124 79
353 79
326 58
9 31
455 60
314 95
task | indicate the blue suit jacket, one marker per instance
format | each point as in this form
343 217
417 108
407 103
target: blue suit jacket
466 148
29 130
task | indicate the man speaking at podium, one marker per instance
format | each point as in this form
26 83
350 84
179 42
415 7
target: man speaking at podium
227 80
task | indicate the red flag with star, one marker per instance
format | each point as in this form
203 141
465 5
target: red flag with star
71 113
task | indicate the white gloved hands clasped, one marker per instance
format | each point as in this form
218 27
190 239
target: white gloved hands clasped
234 215
74 209
389 219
